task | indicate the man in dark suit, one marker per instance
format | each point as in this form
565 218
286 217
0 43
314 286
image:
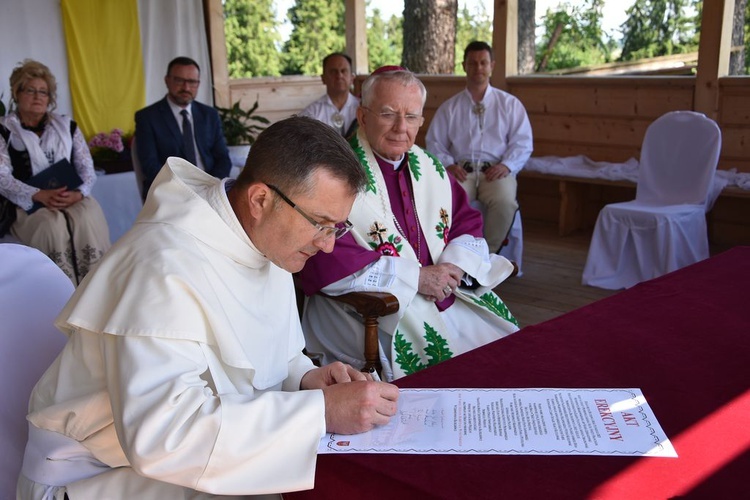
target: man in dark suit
180 126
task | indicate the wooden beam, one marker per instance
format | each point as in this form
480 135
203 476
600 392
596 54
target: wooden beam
713 55
356 35
214 13
505 42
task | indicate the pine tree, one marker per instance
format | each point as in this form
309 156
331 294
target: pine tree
574 37
659 28
252 38
470 27
317 30
384 40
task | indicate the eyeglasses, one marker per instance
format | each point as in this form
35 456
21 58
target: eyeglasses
184 81
390 118
32 92
324 232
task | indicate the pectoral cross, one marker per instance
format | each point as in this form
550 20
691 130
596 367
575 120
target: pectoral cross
377 230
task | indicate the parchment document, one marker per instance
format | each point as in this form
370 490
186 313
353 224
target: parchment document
514 422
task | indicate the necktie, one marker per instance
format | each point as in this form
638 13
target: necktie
187 137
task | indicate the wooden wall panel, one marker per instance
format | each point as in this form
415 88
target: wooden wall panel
734 120
579 129
609 96
278 98
632 102
603 118
735 147
735 108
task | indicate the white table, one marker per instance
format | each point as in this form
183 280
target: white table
120 201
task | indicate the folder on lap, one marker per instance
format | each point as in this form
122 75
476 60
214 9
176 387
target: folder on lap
59 174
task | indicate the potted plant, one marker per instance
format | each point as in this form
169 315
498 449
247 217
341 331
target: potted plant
241 127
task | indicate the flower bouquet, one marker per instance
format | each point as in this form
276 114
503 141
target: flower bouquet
106 147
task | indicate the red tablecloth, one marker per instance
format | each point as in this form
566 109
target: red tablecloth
684 339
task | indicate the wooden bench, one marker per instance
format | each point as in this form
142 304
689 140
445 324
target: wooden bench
573 190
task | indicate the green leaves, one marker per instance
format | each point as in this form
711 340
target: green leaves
658 28
405 357
252 38
414 166
360 152
436 351
492 302
237 124
317 30
437 347
438 166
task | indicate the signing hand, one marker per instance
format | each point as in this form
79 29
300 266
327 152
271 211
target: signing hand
335 373
438 281
359 406
497 171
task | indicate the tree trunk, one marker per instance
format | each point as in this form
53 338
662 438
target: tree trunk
550 46
526 36
429 36
737 56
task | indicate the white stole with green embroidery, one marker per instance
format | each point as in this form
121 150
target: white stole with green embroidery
421 338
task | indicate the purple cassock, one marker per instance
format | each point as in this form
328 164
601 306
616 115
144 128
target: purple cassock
349 257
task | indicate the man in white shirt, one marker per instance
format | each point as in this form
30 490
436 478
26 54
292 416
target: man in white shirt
338 107
184 375
484 136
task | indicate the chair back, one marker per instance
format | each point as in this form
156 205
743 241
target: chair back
137 168
33 291
679 155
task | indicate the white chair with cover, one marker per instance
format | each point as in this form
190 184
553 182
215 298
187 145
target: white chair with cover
664 228
33 291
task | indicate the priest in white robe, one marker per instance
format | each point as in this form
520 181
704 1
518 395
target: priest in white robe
183 376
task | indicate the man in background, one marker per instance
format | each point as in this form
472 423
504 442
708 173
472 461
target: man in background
484 137
180 126
338 107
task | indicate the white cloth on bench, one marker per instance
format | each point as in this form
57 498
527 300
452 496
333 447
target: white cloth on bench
586 168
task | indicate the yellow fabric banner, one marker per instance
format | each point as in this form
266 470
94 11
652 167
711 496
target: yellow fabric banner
105 63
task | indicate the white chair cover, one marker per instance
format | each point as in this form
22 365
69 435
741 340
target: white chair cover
664 228
120 200
33 291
